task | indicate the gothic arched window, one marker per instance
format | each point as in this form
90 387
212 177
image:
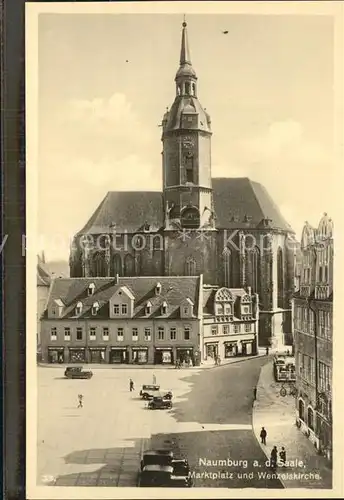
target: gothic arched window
117 265
98 265
227 266
129 265
280 279
190 267
256 275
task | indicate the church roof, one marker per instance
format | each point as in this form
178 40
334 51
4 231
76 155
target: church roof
174 291
126 210
43 276
239 204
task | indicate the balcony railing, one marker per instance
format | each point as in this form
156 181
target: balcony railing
322 291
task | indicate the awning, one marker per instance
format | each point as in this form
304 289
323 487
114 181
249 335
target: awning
55 348
144 348
97 348
163 348
76 348
118 348
184 348
211 343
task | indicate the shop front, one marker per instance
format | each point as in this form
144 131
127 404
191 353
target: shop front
247 347
97 355
163 356
230 349
211 350
139 355
185 355
56 355
77 355
119 355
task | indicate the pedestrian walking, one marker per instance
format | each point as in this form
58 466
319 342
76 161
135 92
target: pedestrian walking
131 385
80 399
267 351
283 456
255 393
273 458
263 435
154 379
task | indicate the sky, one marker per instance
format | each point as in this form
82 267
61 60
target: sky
104 82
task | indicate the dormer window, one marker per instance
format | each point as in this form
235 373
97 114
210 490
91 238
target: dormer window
158 288
164 308
78 308
95 308
90 289
148 308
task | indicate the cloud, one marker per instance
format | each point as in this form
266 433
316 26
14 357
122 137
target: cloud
286 141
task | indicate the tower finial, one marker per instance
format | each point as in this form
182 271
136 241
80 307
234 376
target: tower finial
184 50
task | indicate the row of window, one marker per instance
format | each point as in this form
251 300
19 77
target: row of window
120 333
307 372
322 274
304 321
226 329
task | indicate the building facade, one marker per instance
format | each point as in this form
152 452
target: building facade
314 334
228 229
123 320
230 323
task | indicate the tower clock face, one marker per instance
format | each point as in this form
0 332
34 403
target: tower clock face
188 142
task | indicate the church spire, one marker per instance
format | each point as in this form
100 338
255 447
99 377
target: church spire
185 57
186 75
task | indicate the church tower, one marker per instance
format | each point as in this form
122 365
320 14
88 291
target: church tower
186 137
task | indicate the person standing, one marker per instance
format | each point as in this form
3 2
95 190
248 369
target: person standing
80 399
131 385
267 351
263 435
283 456
255 393
273 458
154 379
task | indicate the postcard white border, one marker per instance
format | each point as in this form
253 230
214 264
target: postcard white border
33 10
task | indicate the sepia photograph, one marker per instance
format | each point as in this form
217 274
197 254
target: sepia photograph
181 194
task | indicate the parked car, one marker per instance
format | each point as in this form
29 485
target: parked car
160 402
160 468
77 372
166 393
148 391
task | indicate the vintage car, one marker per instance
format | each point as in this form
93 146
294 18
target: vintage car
160 402
160 468
149 390
77 372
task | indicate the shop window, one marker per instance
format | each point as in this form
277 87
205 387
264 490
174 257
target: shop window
120 334
225 329
67 334
248 327
148 334
161 333
124 309
53 334
173 333
116 309
135 334
79 333
140 356
105 333
230 350
92 333
186 333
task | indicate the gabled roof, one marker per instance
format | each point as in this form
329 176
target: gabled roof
174 291
209 295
